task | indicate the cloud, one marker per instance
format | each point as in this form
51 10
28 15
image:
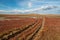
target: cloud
48 7
2 10
29 4
25 3
43 8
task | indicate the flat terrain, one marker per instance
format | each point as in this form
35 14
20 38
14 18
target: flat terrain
28 27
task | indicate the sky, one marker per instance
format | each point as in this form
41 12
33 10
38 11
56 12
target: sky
29 6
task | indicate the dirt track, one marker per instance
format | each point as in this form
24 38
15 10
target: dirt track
30 29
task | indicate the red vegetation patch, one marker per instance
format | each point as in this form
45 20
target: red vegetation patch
6 25
30 28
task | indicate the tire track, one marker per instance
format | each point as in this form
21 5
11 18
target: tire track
28 31
9 35
31 37
24 32
39 34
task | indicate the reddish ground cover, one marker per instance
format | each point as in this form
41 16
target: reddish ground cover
6 25
30 28
51 29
